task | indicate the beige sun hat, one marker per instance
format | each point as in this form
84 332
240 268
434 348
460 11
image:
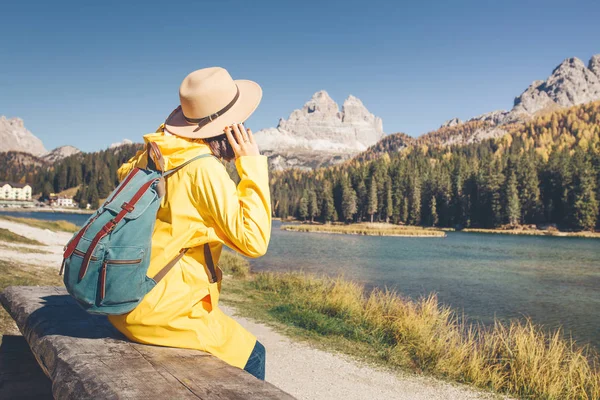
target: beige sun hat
210 101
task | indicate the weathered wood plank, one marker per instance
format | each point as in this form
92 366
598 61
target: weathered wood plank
87 358
21 378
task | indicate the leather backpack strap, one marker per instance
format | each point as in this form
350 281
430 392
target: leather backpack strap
212 277
210 264
161 274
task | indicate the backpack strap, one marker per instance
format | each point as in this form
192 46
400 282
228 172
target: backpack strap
207 256
171 171
161 274
156 160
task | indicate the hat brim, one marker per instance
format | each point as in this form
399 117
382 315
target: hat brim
250 96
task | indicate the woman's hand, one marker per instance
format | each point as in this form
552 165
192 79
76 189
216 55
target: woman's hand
241 140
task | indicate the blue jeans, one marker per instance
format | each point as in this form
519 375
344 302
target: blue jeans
256 362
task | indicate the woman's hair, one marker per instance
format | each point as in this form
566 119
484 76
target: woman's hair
220 147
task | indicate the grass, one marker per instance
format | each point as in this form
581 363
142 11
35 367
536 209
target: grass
233 264
519 359
56 226
371 229
11 237
22 249
23 275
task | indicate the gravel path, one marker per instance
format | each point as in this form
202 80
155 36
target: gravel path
296 367
54 242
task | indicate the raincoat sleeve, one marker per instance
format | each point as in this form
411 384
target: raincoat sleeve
241 215
130 164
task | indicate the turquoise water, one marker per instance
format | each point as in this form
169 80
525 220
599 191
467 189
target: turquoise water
555 281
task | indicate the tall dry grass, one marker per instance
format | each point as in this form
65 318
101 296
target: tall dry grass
519 358
375 229
233 264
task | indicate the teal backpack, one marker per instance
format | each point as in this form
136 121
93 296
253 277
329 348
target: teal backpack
106 262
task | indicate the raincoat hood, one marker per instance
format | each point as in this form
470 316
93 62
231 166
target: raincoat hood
175 149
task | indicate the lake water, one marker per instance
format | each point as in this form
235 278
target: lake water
555 281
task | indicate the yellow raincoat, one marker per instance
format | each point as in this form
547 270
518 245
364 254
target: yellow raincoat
201 205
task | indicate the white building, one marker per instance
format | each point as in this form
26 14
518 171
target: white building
65 202
61 201
15 191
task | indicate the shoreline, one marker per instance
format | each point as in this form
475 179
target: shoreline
547 233
47 209
357 229
365 230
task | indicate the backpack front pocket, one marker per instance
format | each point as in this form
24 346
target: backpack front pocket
84 291
122 280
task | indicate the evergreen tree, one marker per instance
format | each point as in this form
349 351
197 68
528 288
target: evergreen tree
327 207
313 205
457 202
414 207
491 182
582 196
404 210
81 197
529 190
105 183
348 202
433 216
93 198
361 198
372 200
513 204
303 208
47 189
389 203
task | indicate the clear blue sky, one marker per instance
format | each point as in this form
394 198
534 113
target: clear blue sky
92 73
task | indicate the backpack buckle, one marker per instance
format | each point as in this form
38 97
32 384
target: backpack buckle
110 225
127 207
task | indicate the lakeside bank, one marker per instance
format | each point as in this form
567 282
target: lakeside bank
299 366
57 210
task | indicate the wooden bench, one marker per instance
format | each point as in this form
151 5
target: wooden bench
87 358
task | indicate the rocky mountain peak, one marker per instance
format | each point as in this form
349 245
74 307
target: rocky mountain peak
15 137
451 122
571 83
319 128
594 65
354 109
119 144
59 153
321 102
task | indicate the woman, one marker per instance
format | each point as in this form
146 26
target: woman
202 211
